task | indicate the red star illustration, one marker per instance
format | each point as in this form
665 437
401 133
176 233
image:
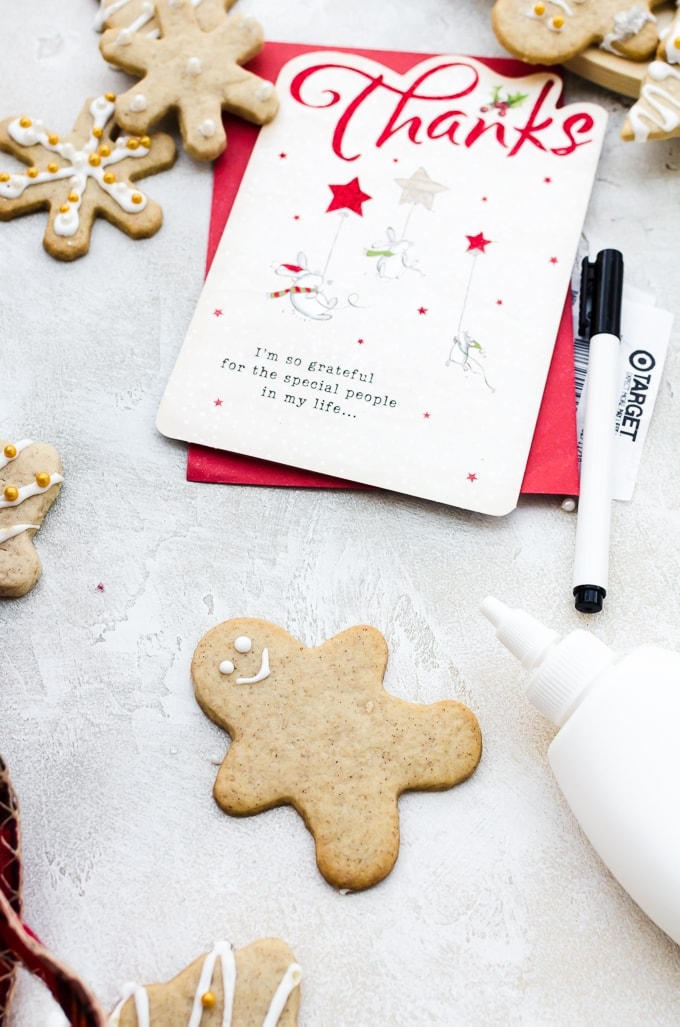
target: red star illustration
217 312
554 260
350 196
477 242
547 180
426 415
422 310
485 199
283 156
296 217
360 342
499 303
217 402
472 477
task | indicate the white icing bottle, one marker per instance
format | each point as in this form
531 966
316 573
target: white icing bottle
616 756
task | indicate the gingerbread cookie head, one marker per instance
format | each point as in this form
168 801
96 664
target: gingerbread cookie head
30 480
315 729
90 173
195 73
552 31
258 984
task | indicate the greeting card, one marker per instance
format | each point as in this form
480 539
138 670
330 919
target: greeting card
384 301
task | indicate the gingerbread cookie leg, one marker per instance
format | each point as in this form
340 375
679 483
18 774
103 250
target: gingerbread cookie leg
314 728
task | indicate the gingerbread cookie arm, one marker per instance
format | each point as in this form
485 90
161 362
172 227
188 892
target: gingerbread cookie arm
140 14
30 480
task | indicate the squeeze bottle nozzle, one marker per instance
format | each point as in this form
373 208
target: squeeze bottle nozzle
561 668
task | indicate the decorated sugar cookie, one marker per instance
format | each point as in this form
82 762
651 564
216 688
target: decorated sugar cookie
315 729
196 73
30 480
656 114
88 174
140 15
552 31
257 986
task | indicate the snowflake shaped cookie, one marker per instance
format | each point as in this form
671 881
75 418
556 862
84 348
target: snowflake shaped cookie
30 480
88 174
196 73
315 729
258 984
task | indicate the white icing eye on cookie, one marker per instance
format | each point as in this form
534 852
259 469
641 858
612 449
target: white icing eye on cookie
243 645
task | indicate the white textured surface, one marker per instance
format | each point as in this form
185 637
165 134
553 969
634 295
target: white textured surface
497 912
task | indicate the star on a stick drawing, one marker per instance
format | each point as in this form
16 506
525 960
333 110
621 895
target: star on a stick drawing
350 196
315 729
419 188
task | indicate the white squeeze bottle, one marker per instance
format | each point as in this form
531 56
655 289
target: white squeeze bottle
616 756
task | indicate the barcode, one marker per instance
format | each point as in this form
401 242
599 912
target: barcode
581 351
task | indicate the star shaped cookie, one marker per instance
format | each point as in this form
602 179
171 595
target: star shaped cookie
315 729
191 71
255 985
30 480
85 175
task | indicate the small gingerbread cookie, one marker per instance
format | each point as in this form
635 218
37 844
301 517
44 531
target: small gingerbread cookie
315 729
30 480
656 114
258 984
87 174
552 31
196 73
140 15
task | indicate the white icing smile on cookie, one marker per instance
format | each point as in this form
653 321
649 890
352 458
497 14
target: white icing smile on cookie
243 645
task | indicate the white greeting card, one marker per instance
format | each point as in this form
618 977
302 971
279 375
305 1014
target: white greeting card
385 298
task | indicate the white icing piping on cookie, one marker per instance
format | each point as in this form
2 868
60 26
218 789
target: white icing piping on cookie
13 448
7 533
31 489
204 997
91 162
262 673
664 112
626 24
107 10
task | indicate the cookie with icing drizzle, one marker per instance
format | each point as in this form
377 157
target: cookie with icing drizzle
198 74
88 174
316 729
656 114
257 986
140 15
30 480
553 31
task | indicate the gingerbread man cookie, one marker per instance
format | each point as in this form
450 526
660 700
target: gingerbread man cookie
258 984
86 175
552 31
656 114
30 480
315 729
140 15
196 73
